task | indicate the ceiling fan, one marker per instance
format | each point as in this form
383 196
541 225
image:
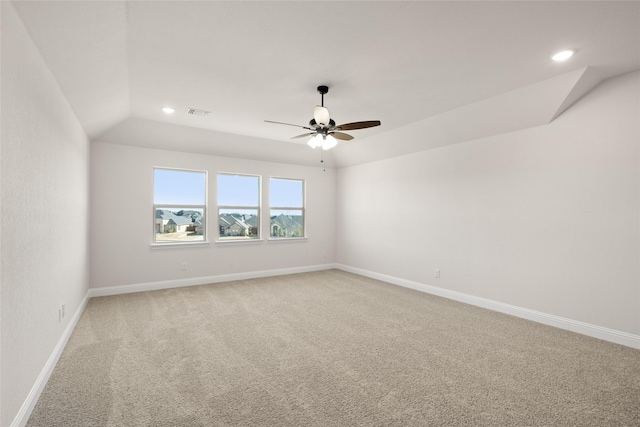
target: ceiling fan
324 131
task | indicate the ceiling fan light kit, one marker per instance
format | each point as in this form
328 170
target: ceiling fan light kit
324 132
325 141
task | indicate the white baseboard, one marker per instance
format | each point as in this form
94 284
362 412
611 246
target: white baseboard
32 398
168 284
595 331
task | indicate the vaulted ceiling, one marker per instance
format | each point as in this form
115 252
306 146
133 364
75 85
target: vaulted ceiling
434 73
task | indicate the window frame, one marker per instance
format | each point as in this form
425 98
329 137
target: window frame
258 209
205 216
289 208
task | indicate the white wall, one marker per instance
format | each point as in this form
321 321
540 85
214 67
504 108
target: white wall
44 214
122 220
545 218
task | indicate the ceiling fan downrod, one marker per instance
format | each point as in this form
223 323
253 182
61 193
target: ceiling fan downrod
323 90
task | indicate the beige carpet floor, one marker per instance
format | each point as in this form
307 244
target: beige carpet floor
329 349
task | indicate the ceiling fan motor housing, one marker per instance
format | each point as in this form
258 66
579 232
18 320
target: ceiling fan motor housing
320 128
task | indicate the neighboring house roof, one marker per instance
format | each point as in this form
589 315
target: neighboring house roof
171 217
252 221
227 220
223 222
191 214
286 221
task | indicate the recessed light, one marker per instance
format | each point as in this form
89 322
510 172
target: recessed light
168 110
563 55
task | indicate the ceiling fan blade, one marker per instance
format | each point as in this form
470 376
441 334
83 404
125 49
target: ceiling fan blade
288 124
342 136
303 135
358 125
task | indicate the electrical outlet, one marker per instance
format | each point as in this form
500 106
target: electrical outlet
184 266
437 273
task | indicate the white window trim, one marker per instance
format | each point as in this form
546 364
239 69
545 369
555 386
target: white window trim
303 209
257 208
205 235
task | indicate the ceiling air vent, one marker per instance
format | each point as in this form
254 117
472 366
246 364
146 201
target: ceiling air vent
196 112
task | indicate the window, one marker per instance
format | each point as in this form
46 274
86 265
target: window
179 205
238 207
286 200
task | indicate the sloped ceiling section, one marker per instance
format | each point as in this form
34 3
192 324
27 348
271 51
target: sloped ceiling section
588 79
534 105
432 72
85 45
168 136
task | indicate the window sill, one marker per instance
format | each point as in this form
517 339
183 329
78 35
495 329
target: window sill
177 245
288 239
238 241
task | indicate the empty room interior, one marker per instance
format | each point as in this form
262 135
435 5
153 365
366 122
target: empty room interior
320 213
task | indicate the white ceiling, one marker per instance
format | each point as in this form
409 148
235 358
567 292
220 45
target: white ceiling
408 64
